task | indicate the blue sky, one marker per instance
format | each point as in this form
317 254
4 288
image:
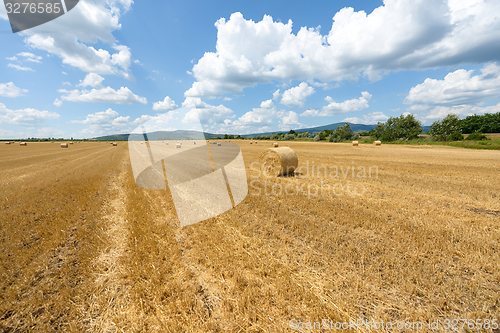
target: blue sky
108 66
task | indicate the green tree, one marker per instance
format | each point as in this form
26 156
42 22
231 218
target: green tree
442 129
456 136
342 133
303 134
477 136
487 123
397 128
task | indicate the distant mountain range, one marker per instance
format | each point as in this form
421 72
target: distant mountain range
354 127
161 135
183 135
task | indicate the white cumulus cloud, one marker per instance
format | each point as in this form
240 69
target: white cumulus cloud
206 113
398 35
26 117
104 95
289 120
166 105
296 96
109 122
334 108
28 56
266 115
367 119
58 102
90 22
267 104
457 88
92 80
11 90
439 112
21 68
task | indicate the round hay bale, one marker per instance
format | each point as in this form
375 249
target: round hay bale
115 144
64 145
71 143
278 161
178 145
275 145
251 142
167 143
23 144
7 143
194 142
219 144
355 143
377 143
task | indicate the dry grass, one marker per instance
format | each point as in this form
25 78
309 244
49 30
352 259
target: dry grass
421 243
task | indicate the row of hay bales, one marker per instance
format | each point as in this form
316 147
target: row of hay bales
274 144
283 161
66 144
354 143
376 143
13 142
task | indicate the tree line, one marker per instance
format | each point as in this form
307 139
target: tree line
451 128
402 128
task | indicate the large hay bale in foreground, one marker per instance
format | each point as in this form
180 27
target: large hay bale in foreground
355 143
23 144
275 145
178 145
115 144
64 145
377 143
7 143
278 161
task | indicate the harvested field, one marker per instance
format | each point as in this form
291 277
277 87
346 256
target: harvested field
415 237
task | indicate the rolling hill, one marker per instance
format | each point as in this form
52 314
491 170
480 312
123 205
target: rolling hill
183 135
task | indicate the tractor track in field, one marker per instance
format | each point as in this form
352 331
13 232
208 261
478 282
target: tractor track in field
210 293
